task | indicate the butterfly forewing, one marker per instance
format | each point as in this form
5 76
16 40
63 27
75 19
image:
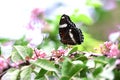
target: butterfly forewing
68 31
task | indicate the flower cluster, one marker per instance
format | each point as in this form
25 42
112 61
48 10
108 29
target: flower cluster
57 55
38 54
3 64
34 33
110 49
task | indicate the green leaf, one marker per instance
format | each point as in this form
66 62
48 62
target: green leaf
22 41
20 53
70 68
45 64
64 78
97 71
83 72
117 74
12 74
73 50
41 73
3 40
0 51
26 73
101 60
81 57
107 72
90 64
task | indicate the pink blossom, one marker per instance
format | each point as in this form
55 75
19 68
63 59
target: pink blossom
36 12
35 18
58 53
114 51
3 64
110 49
38 54
16 64
117 61
34 28
108 44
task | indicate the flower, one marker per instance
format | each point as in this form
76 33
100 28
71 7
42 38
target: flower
38 54
114 51
3 64
34 28
58 53
110 49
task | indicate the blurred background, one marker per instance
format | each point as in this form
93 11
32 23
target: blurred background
35 23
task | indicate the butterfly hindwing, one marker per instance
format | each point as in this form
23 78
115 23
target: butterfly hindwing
66 39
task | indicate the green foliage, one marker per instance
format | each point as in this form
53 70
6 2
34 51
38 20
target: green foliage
79 67
25 73
12 74
45 64
3 40
20 53
22 41
41 74
117 74
70 68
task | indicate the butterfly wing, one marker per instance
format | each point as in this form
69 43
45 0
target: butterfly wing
65 37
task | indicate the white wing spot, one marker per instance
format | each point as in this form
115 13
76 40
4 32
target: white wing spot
63 25
71 36
63 17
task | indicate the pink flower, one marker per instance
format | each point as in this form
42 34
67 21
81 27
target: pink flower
36 19
38 54
117 61
58 53
34 28
16 64
114 51
3 64
110 49
108 44
36 13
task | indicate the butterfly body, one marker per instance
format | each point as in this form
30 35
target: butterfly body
68 31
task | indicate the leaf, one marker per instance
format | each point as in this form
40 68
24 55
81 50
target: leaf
45 64
117 74
3 40
22 41
90 64
70 68
107 72
97 71
20 53
101 60
41 74
73 50
26 73
12 74
0 51
65 78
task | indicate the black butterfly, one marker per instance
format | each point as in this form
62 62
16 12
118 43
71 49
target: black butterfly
68 31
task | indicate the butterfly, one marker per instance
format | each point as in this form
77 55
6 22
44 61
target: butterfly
68 31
